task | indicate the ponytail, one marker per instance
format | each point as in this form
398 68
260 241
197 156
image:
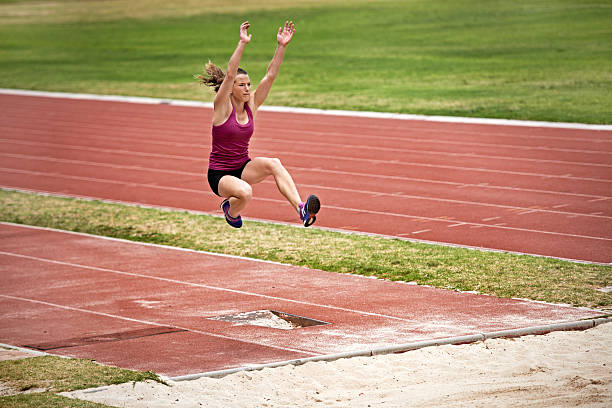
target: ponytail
213 76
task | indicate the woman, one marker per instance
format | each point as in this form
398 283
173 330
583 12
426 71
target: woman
231 172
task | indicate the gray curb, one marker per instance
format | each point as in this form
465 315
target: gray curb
25 350
400 348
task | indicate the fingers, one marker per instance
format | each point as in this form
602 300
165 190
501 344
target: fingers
289 27
244 26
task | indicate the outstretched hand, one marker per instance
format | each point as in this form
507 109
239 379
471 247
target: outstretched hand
285 34
244 36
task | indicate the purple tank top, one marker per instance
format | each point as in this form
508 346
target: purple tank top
230 142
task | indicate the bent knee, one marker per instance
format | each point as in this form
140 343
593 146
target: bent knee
244 192
274 165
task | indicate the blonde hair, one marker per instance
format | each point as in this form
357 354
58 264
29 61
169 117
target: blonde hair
213 76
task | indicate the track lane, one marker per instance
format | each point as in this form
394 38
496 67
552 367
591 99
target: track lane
442 177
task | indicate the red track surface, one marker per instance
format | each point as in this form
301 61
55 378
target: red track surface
63 289
533 190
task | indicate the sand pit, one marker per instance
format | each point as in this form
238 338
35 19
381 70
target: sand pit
560 369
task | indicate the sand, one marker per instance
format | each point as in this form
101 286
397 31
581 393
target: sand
560 369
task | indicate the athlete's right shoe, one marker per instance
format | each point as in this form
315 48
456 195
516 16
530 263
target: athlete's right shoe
234 222
309 209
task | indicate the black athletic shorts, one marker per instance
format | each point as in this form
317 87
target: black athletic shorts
214 176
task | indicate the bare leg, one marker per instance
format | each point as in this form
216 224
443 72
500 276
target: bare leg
238 191
260 168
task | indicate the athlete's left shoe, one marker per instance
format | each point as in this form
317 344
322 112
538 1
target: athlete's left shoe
234 222
309 209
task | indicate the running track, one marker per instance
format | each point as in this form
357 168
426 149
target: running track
536 190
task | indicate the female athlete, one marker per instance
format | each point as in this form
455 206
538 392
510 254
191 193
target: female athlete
231 172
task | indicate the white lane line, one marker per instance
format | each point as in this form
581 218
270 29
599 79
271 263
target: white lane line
101 150
305 169
386 214
265 127
340 147
411 139
199 285
93 130
100 164
205 192
109 181
376 115
598 136
490 219
429 165
378 213
448 200
318 156
129 319
314 186
95 136
431 152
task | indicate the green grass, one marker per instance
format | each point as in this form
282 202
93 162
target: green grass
500 274
49 375
541 60
46 400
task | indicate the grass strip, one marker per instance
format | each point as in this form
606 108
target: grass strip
46 400
495 273
44 376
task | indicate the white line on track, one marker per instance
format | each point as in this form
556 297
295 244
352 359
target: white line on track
129 319
270 221
301 154
305 169
102 150
440 166
266 129
386 214
396 149
382 213
109 181
448 200
104 164
365 192
411 139
199 285
529 136
442 119
431 152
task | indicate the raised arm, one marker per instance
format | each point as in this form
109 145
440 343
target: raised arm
284 36
222 97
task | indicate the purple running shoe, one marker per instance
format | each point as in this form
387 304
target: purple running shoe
309 209
234 222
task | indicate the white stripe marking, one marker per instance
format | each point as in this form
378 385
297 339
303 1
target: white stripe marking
301 154
129 319
371 193
418 218
435 153
199 285
377 115
318 170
